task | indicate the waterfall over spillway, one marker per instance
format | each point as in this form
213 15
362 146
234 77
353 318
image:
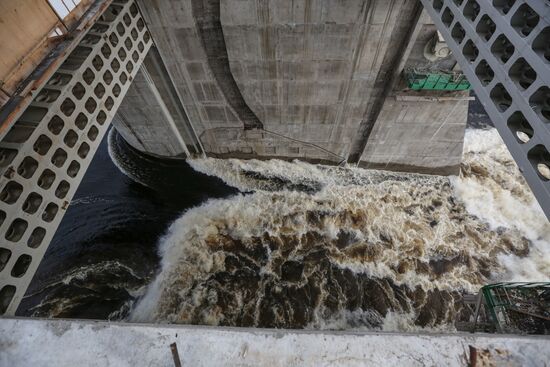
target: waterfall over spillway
312 246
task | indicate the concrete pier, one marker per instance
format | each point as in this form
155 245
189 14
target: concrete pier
316 80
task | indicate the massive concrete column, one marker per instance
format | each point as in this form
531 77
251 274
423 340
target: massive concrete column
408 130
317 80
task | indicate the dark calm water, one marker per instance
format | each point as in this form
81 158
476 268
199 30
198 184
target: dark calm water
105 249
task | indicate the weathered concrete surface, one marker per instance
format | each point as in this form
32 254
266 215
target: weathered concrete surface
151 117
418 131
415 137
143 125
27 342
308 79
307 67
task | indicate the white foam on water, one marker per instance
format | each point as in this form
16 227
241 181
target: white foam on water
486 219
502 199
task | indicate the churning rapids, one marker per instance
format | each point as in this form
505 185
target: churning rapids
310 246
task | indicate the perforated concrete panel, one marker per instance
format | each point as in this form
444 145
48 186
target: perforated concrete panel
503 46
46 153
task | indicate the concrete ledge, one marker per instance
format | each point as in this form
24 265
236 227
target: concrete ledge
35 342
246 156
397 167
408 98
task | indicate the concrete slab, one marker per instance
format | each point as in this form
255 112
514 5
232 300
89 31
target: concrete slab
34 342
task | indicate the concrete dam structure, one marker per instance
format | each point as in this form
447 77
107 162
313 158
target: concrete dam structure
379 84
320 81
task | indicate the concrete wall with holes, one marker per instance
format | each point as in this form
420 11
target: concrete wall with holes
504 48
45 154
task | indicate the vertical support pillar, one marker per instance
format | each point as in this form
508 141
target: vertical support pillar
152 117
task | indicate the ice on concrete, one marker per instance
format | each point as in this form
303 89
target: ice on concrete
34 342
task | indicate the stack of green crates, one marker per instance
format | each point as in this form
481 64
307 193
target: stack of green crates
437 81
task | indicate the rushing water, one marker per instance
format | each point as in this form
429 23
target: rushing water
104 251
289 244
342 247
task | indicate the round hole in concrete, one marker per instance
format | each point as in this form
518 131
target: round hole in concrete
46 179
50 212
11 192
128 43
42 144
120 29
116 90
92 133
5 256
59 157
83 150
36 237
70 138
97 63
101 117
32 203
122 54
109 103
6 295
67 107
62 189
78 91
108 77
99 90
115 65
21 266
133 10
106 52
73 169
114 41
16 230
56 125
90 105
27 167
88 76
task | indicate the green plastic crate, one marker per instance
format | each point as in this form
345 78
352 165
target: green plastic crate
437 81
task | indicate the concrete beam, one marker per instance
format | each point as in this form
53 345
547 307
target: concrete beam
87 343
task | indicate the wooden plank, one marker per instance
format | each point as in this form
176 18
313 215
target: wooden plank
16 105
24 29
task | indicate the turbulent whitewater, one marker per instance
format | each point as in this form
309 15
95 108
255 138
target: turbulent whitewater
310 246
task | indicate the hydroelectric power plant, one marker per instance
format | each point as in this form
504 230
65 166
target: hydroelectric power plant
274 182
